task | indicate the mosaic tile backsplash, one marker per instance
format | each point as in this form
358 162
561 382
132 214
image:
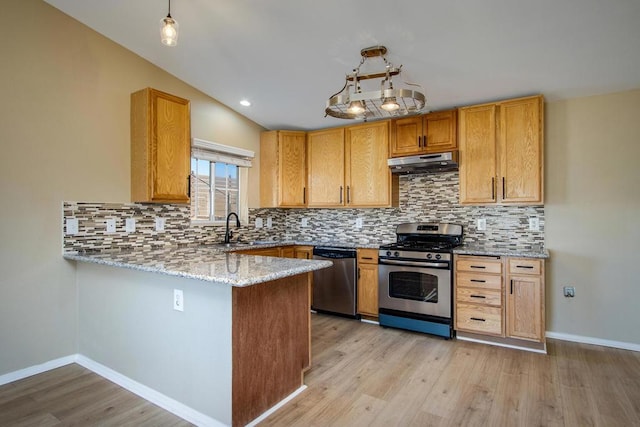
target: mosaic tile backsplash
428 197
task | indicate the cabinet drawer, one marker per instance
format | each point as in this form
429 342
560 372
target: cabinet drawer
483 319
479 266
524 266
479 296
485 281
367 256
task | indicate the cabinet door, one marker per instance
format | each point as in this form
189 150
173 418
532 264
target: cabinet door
477 154
521 150
440 131
303 252
524 308
293 168
406 136
325 168
287 252
368 175
368 289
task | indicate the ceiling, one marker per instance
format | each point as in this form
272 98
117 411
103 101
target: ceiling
289 56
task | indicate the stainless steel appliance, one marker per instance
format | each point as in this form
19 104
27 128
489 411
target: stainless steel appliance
334 288
424 163
415 278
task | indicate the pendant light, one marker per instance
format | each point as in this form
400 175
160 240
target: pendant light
386 101
169 29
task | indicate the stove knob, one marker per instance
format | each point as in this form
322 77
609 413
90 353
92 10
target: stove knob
438 256
396 254
428 256
388 253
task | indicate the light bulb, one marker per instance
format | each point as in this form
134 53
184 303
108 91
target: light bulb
169 31
356 107
390 104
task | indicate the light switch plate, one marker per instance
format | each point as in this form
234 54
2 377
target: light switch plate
359 222
130 225
71 226
160 223
258 222
111 225
534 224
269 222
304 222
482 224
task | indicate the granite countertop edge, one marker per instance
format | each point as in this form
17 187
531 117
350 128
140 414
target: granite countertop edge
475 249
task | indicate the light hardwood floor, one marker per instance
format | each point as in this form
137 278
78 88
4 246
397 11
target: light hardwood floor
364 375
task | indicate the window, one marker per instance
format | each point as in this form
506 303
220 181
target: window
212 199
218 182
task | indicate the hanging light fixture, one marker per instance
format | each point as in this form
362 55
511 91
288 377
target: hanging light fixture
169 29
352 103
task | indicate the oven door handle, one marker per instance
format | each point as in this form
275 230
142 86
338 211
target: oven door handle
415 263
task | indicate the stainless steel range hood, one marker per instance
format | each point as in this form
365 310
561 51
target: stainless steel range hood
426 163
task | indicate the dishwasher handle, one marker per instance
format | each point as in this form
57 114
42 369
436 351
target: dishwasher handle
333 252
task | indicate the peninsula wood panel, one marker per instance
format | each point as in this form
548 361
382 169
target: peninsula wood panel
326 168
160 147
521 154
478 156
368 175
271 344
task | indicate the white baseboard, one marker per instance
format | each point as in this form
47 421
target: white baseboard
595 341
275 407
149 394
36 369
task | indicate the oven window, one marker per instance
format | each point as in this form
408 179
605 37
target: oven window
414 286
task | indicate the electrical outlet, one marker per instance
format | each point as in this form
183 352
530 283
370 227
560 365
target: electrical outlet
569 291
359 222
71 226
269 222
178 300
130 225
482 224
304 222
160 223
534 224
111 225
258 222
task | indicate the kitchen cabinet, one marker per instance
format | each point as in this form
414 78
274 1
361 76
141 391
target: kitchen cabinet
348 167
429 133
525 299
501 152
160 147
271 251
287 252
368 282
303 252
326 168
283 173
478 295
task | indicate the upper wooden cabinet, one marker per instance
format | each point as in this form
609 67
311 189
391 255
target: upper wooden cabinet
348 166
429 133
501 152
160 147
326 164
283 174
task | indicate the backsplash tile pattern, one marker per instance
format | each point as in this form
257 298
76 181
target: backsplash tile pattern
429 197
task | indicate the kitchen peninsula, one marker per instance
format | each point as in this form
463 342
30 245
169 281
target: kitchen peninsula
240 345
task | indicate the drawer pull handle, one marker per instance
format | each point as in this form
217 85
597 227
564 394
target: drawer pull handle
478 281
477 296
477 266
524 266
478 319
366 257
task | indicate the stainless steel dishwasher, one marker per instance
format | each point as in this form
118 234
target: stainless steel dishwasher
334 288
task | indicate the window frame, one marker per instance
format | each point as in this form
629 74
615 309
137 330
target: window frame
212 189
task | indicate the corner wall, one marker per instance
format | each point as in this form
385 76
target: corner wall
593 215
65 136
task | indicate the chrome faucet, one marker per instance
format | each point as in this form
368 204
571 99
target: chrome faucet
228 233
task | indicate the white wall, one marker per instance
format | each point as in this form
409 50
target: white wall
64 124
593 216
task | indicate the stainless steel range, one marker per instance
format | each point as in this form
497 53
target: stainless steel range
415 278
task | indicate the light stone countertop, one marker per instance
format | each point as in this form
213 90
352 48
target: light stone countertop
207 263
501 250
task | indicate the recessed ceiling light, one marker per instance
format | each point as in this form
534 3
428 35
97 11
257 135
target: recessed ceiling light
245 103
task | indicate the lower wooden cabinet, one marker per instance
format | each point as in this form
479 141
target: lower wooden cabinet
274 251
368 282
303 252
287 251
501 297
